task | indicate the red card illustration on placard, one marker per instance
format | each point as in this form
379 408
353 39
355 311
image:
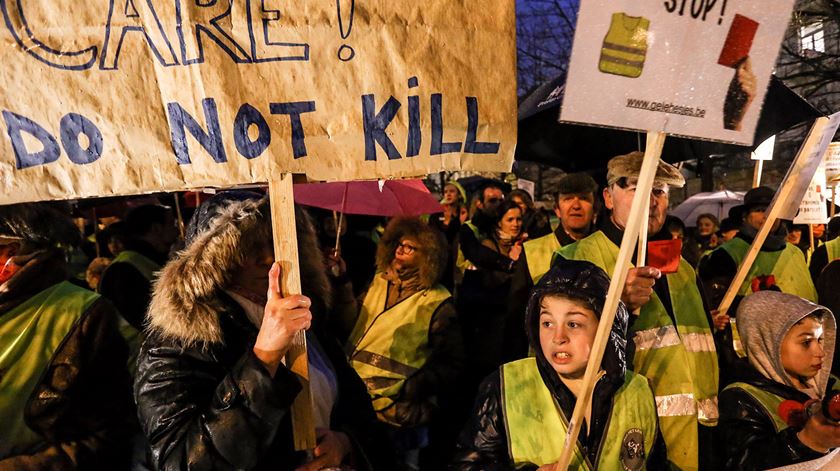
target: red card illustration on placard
664 255
738 41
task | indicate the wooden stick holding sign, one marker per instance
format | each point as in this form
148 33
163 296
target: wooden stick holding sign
784 205
286 252
641 200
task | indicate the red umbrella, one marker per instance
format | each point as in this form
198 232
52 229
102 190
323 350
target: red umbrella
371 198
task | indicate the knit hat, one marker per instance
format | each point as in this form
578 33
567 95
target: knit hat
629 166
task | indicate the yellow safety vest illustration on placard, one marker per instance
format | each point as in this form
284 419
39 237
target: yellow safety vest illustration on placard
625 46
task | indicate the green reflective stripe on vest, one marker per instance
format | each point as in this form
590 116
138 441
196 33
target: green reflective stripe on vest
625 46
832 249
387 346
146 266
30 334
536 428
787 266
538 253
769 402
683 373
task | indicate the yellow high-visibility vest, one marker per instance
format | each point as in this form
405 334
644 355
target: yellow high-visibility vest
389 345
538 253
537 428
680 361
625 46
30 334
787 266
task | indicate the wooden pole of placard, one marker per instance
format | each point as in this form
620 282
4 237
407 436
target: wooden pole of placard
833 200
811 237
759 166
180 215
641 200
286 252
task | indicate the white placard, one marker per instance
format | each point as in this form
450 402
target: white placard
805 164
526 185
812 209
670 65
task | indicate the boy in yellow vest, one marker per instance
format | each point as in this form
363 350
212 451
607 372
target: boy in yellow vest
522 411
789 355
674 347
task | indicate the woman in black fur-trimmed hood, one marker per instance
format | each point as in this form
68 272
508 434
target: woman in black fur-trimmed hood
210 388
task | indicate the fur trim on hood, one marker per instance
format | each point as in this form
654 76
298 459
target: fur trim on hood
432 251
186 301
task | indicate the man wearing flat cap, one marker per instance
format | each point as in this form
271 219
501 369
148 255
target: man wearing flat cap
779 265
574 205
674 347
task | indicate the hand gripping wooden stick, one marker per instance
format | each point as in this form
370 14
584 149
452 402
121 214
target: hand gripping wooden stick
640 200
286 252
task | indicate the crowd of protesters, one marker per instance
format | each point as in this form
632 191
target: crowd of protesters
457 341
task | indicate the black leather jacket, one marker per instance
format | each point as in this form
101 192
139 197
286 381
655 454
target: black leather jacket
218 408
748 437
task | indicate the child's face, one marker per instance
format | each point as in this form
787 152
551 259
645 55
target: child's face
802 349
567 330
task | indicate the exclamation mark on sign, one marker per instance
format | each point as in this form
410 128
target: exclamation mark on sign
346 10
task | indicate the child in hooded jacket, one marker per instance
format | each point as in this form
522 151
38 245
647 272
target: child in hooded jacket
789 342
522 411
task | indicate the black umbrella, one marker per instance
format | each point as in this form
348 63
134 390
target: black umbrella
575 147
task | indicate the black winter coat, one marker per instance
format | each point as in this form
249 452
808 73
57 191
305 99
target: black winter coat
218 408
748 436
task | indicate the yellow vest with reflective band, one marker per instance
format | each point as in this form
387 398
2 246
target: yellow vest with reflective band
680 361
538 253
536 427
787 266
625 46
388 346
30 334
832 249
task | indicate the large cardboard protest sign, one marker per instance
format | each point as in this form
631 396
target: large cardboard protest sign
695 68
127 96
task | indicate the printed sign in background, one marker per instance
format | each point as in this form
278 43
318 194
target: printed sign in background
691 68
800 175
812 209
127 96
832 164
